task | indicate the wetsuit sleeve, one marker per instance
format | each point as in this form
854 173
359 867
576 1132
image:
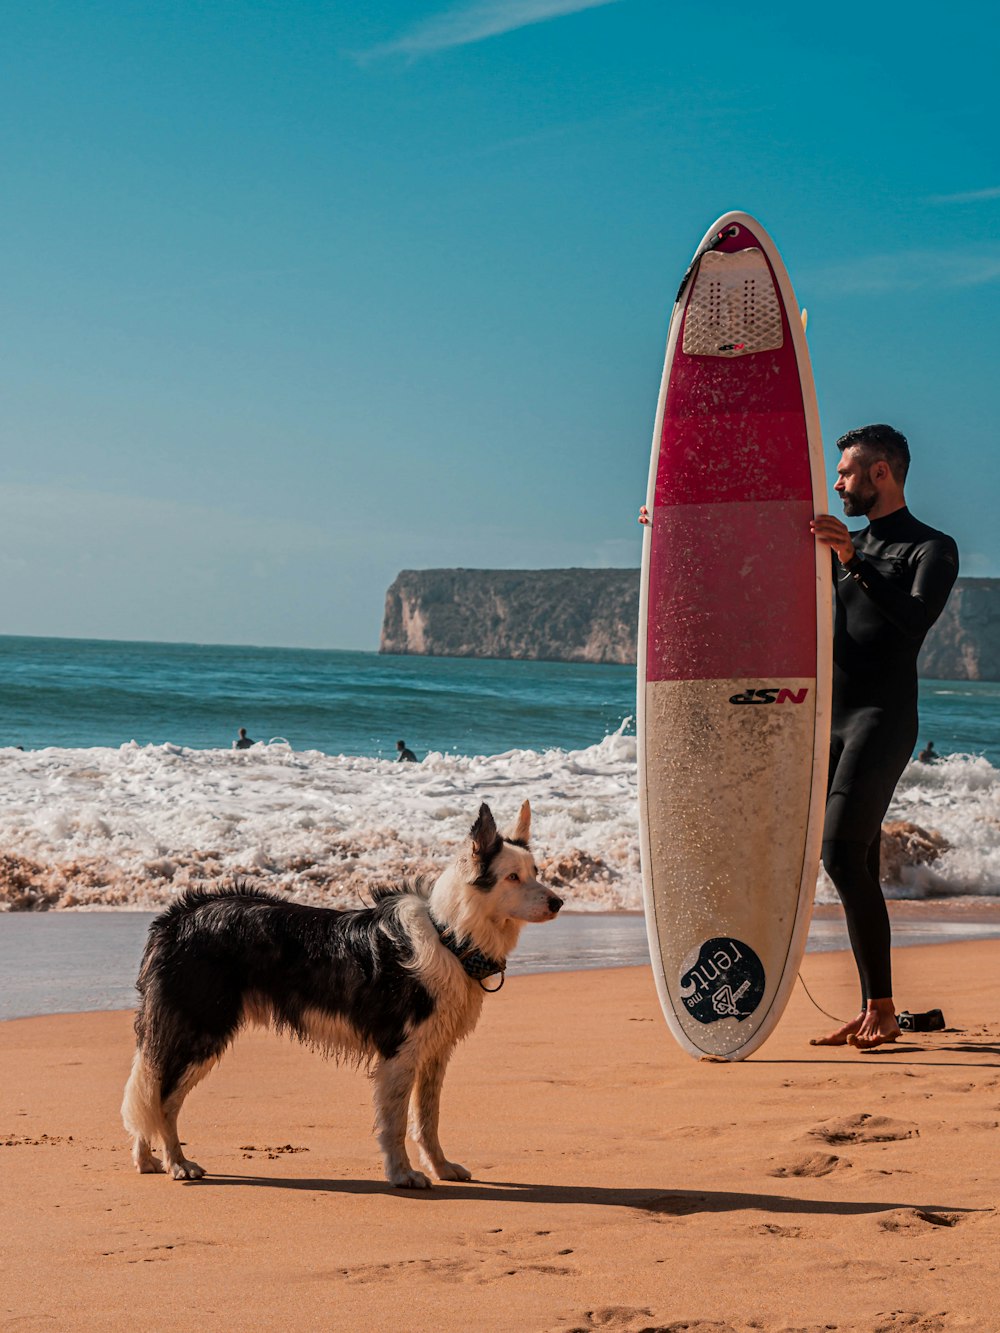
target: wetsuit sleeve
912 612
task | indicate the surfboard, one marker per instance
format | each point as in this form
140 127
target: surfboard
734 651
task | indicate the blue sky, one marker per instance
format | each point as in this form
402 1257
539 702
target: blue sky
297 295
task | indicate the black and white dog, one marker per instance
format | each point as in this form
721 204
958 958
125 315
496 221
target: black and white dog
393 986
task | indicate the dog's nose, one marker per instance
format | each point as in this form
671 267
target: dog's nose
554 903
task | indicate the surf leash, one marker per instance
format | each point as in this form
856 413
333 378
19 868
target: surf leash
819 1006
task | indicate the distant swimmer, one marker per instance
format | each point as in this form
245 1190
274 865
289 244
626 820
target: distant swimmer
929 755
405 756
243 741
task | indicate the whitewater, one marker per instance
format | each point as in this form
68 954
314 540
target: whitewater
133 825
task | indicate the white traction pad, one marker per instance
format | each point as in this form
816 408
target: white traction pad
734 309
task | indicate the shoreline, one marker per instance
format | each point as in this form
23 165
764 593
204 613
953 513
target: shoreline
617 1183
81 962
972 907
968 907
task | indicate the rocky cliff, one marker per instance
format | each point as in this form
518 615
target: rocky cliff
589 615
965 642
563 615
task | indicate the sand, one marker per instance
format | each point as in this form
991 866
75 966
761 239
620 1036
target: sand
619 1184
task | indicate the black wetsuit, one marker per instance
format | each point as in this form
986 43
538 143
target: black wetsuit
887 598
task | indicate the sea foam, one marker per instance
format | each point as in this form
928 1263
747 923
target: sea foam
135 825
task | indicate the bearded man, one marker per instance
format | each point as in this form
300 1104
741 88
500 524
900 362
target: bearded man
892 581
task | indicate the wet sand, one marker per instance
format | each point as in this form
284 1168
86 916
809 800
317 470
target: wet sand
74 961
618 1183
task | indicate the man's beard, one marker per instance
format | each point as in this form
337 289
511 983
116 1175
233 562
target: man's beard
860 502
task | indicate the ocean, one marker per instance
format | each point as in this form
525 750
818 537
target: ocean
79 693
126 788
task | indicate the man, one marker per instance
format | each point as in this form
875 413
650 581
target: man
243 741
892 581
405 755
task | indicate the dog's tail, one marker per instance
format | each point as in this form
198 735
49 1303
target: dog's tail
142 1105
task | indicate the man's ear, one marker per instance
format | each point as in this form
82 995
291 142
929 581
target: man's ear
880 471
521 831
486 840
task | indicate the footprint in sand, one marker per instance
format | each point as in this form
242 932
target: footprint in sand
904 1321
626 1319
910 1220
622 1317
481 1265
813 1164
447 1270
863 1128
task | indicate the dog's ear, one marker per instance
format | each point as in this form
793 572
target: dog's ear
521 831
486 840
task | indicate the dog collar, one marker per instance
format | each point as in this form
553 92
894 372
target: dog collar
477 964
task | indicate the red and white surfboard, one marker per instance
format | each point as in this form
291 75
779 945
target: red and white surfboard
734 654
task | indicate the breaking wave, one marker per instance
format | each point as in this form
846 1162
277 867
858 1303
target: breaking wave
133 826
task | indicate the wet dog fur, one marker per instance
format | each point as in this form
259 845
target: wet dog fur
375 985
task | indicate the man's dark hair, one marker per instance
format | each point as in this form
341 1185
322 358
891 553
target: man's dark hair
880 444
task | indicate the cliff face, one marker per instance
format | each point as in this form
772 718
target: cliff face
590 615
563 615
965 642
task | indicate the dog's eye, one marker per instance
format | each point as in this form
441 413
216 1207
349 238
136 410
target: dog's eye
514 876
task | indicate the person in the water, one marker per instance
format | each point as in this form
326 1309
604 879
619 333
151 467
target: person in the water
892 581
405 755
928 755
243 741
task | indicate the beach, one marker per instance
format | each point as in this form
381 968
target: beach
617 1183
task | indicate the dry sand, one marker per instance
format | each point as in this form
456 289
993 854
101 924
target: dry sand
619 1184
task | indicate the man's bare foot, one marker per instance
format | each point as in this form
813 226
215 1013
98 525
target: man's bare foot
842 1035
878 1026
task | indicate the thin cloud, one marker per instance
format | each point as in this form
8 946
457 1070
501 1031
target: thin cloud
977 565
909 271
475 23
967 196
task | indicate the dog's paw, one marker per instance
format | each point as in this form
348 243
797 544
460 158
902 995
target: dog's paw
148 1166
410 1180
453 1171
185 1170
